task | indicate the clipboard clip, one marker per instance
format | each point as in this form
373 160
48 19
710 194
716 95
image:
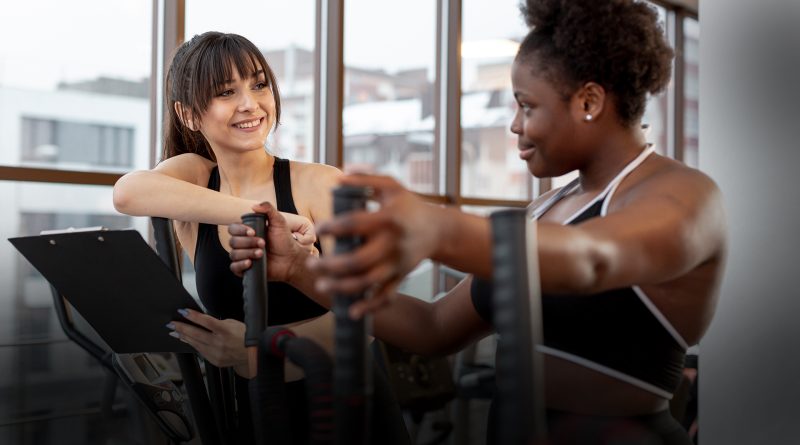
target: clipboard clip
74 230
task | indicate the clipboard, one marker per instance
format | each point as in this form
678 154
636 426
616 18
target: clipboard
116 282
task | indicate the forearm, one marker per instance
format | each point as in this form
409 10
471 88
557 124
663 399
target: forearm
407 322
148 193
465 242
571 260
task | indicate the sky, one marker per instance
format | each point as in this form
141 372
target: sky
47 41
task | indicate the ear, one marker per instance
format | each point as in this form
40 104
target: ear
589 102
185 115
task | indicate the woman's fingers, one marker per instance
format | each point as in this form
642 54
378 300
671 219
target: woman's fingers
239 229
374 252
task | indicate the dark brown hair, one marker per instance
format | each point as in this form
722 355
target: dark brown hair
618 44
198 68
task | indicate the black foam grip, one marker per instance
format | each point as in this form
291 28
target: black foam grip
515 371
254 282
317 367
352 384
267 389
268 392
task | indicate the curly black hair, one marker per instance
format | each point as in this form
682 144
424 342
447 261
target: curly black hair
618 44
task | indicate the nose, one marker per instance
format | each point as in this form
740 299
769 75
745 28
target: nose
516 123
247 102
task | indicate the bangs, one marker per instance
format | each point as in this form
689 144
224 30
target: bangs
216 65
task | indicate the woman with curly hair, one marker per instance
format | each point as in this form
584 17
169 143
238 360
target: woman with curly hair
631 253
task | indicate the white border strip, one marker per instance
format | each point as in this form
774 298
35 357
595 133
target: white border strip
605 370
661 318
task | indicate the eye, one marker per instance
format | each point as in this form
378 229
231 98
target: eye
260 86
225 93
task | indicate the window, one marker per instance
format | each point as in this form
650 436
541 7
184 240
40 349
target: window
76 143
68 98
388 118
691 90
284 31
490 164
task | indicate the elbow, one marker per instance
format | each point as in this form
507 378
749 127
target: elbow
124 193
591 268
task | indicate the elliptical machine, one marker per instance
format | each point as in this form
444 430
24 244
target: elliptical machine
338 393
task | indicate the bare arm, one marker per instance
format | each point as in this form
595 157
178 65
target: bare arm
445 326
174 189
671 225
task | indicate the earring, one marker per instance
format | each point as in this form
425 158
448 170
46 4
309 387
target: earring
588 117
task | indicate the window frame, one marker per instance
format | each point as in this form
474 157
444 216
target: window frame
168 28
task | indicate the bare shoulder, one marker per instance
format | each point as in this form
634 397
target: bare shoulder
311 187
189 167
313 177
668 190
669 178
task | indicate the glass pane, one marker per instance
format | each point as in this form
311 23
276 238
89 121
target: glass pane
284 31
419 283
42 373
388 120
70 96
656 115
490 164
691 91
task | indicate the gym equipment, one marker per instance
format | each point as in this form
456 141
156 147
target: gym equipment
160 397
518 322
267 349
352 383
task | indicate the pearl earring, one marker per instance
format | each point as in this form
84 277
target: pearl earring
588 117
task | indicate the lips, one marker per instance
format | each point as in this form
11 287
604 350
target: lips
526 152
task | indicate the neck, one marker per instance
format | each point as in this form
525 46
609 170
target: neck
241 172
614 152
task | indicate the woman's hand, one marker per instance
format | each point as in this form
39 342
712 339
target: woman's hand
398 237
290 241
221 342
301 227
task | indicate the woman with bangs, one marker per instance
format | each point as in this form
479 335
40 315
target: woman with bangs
222 103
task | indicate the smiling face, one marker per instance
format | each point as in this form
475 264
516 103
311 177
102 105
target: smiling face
240 114
544 123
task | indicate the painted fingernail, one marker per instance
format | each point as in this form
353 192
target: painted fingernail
183 312
174 334
170 325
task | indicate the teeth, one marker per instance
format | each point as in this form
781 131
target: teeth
248 124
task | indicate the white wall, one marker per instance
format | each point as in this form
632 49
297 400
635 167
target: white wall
749 120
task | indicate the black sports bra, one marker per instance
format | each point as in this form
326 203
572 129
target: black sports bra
619 332
221 291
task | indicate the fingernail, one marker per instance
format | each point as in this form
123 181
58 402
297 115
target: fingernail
294 236
261 242
183 312
170 325
355 314
174 334
251 232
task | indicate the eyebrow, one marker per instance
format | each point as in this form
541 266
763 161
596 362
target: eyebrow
255 75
